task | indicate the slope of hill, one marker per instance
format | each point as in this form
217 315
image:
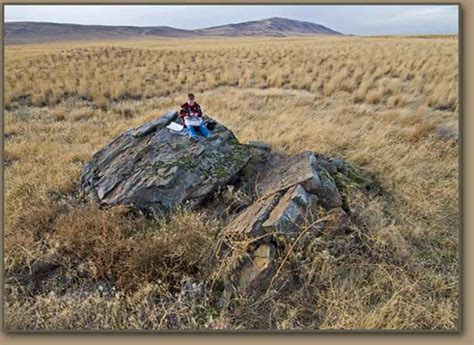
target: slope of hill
40 32
275 26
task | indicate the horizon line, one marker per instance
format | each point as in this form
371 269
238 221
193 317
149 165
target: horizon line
230 23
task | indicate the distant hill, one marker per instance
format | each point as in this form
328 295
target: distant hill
275 26
37 32
40 32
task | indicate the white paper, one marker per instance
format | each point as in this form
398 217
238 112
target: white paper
175 127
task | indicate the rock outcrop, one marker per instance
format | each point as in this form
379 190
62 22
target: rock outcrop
307 195
156 170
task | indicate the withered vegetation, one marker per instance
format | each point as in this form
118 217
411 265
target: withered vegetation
389 105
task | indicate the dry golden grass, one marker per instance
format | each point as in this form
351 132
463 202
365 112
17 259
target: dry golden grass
390 105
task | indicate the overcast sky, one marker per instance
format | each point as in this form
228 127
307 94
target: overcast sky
355 19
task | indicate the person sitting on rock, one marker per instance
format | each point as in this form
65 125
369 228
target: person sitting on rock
191 115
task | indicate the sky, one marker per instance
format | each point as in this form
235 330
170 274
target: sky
353 19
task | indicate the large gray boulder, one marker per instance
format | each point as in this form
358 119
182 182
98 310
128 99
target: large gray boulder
155 169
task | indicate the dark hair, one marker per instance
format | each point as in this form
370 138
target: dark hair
191 96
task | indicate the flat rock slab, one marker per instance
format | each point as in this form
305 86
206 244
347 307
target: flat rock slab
260 145
285 172
250 221
289 213
155 170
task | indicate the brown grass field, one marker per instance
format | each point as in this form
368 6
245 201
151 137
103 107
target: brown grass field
388 104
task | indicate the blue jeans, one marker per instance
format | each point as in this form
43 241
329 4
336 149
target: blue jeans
202 128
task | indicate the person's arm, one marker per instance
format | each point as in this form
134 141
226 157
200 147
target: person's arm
197 110
182 114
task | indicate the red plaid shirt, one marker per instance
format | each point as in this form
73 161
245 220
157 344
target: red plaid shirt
187 109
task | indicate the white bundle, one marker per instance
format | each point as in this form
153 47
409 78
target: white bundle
192 121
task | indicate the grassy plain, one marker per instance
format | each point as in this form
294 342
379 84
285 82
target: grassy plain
389 105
